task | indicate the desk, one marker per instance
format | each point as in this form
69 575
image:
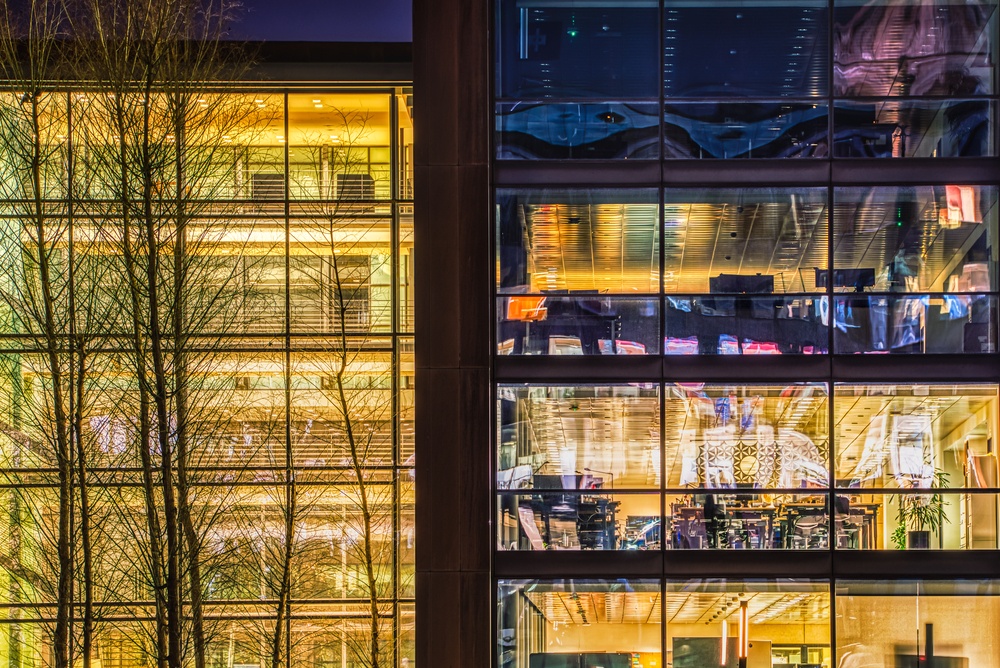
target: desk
809 522
738 527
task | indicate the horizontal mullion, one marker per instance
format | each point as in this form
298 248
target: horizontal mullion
917 368
683 564
748 172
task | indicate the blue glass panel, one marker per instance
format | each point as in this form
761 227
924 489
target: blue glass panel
950 323
745 130
913 129
744 325
553 131
914 47
553 49
760 49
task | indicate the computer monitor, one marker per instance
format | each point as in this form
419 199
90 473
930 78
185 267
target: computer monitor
741 284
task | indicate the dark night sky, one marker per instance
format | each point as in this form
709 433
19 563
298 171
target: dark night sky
326 20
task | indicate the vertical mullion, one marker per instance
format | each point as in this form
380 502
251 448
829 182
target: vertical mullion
287 352
829 291
830 297
394 192
72 347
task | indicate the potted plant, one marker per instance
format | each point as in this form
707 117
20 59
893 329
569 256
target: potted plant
918 516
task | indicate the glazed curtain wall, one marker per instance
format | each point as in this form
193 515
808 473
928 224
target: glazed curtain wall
708 80
747 270
227 304
724 466
623 623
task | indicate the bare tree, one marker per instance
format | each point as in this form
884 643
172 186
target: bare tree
346 420
157 139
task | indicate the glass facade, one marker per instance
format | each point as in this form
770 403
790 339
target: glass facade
744 409
806 79
218 315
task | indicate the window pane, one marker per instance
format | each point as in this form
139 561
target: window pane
331 412
340 279
546 131
905 623
760 436
578 438
734 325
745 130
583 241
742 521
577 521
338 148
747 240
915 436
743 50
551 49
783 622
554 325
914 129
915 238
916 47
578 623
964 323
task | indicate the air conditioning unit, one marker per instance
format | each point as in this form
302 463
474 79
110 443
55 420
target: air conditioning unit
354 186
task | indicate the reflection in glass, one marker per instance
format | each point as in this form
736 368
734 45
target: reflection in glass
916 47
913 129
711 520
962 323
745 130
917 238
555 50
757 436
741 325
584 437
940 623
609 130
906 436
598 325
589 241
713 50
782 621
744 240
574 623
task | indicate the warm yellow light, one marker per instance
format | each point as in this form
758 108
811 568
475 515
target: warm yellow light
725 638
744 631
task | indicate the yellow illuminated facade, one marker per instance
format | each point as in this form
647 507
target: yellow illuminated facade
222 312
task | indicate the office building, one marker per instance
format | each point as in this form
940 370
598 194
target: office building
709 335
276 226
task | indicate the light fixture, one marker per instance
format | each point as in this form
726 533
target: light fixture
722 648
744 634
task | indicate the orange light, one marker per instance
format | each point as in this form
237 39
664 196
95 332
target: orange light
725 638
744 630
526 308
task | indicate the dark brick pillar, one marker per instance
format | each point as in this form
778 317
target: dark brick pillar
453 264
